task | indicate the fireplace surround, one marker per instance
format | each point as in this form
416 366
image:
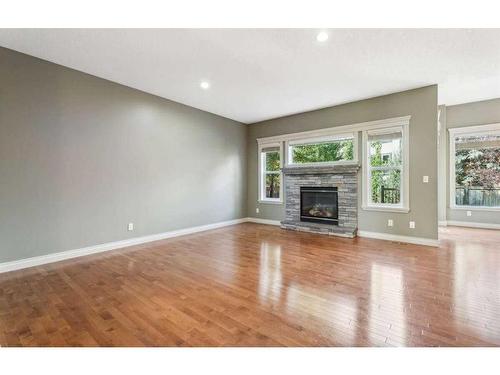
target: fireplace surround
338 182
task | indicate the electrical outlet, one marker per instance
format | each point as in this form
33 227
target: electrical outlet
257 210
425 179
390 223
469 213
412 225
130 226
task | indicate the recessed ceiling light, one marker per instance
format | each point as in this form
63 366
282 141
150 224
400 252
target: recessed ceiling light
205 85
322 36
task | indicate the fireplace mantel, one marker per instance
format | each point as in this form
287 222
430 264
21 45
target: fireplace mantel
321 169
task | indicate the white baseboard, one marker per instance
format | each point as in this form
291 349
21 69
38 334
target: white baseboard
471 224
361 233
56 257
443 223
63 255
398 238
263 221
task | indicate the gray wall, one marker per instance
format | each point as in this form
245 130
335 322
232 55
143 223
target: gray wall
80 157
442 163
476 113
421 104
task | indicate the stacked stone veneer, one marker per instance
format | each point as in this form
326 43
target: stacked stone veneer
343 177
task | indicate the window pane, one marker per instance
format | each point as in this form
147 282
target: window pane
272 161
273 185
386 186
339 150
477 170
385 149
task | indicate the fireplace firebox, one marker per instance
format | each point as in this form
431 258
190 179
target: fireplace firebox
319 204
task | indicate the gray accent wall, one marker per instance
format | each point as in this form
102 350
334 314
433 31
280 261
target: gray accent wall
470 114
421 104
81 157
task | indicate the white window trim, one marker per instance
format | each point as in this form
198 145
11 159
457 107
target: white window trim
326 138
395 121
262 198
403 121
404 205
487 129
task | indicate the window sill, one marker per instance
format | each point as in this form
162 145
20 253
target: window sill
386 209
475 208
264 201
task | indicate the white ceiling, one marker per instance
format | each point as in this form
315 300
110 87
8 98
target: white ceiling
258 74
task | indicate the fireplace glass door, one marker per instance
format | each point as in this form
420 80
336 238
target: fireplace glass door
319 205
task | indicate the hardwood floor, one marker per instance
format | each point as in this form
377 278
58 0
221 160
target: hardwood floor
258 285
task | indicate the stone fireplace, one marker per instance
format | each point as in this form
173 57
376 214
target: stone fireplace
321 199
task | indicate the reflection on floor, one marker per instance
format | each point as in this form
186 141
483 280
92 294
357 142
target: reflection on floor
257 285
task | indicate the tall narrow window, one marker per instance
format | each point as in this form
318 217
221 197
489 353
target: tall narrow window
475 163
385 174
270 173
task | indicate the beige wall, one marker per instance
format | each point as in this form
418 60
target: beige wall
81 157
421 104
470 114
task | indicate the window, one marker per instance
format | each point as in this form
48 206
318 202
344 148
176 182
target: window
327 150
385 184
270 173
475 167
